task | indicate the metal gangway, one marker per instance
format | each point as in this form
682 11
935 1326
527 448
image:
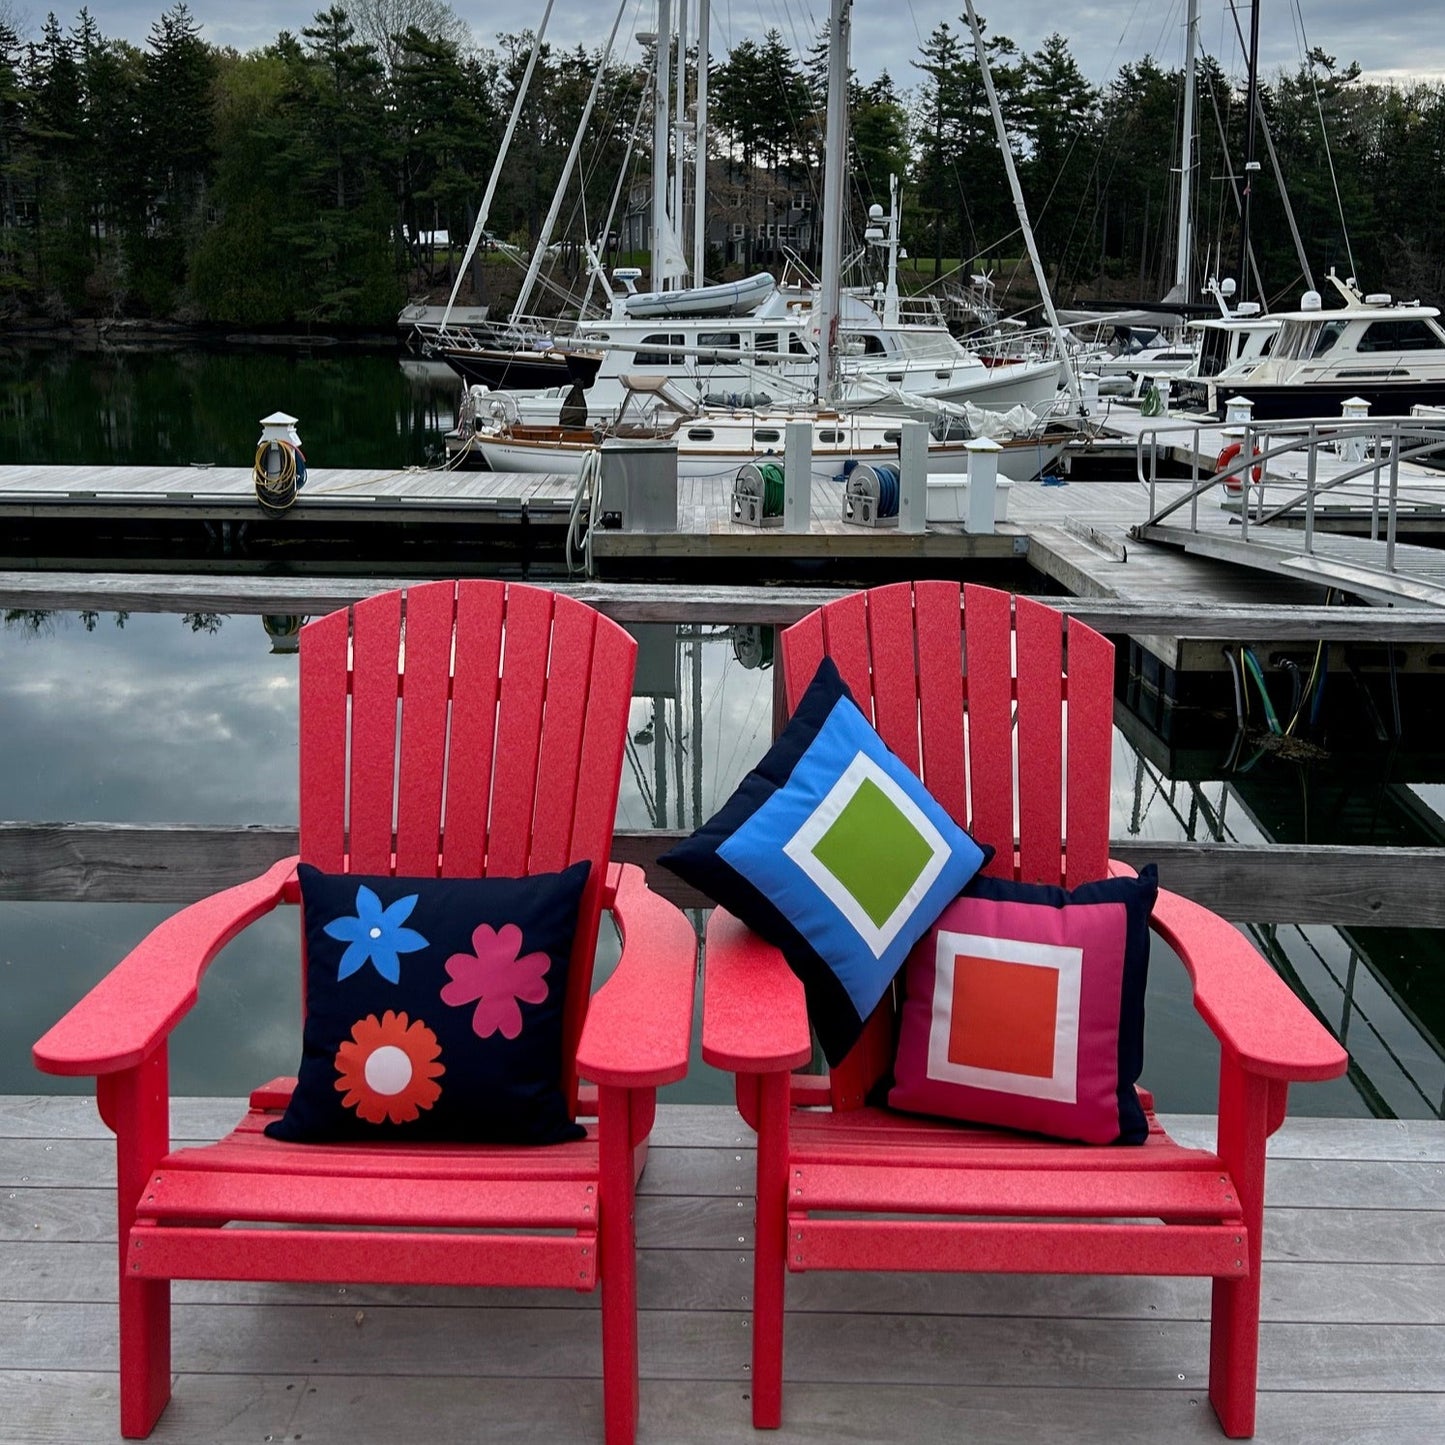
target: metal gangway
1321 499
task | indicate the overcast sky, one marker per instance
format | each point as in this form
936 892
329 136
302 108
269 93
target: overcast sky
1387 37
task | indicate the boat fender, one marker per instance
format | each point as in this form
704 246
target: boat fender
1222 463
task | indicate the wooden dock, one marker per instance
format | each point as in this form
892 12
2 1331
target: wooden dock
1352 1347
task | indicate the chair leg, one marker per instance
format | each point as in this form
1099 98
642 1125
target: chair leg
770 1251
135 1104
617 1241
1234 1317
145 1353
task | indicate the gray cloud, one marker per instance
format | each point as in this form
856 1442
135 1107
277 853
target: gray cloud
1389 37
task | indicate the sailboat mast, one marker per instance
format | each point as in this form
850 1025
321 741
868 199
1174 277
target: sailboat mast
486 210
1020 209
699 190
662 79
834 196
540 249
1251 166
1186 154
679 124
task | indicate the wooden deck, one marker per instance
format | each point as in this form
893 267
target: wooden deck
1353 1345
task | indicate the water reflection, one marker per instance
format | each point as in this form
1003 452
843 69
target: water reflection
167 718
151 407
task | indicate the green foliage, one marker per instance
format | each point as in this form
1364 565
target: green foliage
307 183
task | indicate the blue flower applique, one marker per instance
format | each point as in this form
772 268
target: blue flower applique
375 933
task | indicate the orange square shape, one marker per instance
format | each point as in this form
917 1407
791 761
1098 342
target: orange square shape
1004 1016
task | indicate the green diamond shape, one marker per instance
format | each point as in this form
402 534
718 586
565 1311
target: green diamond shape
874 851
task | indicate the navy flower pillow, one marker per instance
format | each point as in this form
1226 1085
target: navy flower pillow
836 853
434 1008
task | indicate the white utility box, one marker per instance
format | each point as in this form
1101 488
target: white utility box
948 497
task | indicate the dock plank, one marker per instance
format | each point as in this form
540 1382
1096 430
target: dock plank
1353 1344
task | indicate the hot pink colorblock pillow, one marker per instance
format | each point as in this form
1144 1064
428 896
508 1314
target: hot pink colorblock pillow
1024 1007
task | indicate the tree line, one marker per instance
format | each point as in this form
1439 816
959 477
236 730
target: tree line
307 182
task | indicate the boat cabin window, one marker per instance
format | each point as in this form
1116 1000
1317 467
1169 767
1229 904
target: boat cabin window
796 346
830 436
723 340
765 341
1214 352
1330 333
700 433
1415 334
767 434
893 437
659 358
872 345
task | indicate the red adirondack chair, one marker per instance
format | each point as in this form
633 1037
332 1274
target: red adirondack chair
514 708
837 1180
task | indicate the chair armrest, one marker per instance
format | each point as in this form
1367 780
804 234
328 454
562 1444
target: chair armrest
137 1004
754 1015
1249 1007
638 1028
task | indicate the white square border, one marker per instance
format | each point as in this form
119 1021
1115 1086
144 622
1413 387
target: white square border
1068 962
800 849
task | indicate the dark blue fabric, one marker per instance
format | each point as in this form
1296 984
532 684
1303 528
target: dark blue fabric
834 1015
1138 896
371 954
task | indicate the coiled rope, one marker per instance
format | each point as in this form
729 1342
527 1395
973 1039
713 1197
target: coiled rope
279 470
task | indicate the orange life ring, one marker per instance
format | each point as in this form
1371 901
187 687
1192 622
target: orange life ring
1222 461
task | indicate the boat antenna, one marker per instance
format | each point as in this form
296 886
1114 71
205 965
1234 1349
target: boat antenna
1021 209
540 249
486 210
835 197
1251 166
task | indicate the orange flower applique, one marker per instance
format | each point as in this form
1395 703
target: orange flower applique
387 1068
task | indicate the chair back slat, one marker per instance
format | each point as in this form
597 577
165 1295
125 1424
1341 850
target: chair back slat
891 646
375 686
519 727
425 693
569 680
476 683
801 656
988 673
322 698
1090 753
1040 652
938 626
845 639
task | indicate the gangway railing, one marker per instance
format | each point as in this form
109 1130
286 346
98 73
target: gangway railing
1371 447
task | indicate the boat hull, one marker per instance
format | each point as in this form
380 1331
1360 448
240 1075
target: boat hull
521 370
1325 398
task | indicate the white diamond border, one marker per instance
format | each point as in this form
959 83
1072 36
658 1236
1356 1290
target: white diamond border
1067 962
800 849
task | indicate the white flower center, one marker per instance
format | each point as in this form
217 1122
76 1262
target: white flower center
375 933
388 1069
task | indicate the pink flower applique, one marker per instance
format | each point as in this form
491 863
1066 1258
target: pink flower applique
495 977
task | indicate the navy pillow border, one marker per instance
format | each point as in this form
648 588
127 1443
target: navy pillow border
830 1011
494 1089
1138 896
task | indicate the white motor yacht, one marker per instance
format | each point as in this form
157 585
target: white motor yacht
1391 356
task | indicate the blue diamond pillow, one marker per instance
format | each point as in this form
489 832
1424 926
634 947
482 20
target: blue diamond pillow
434 1008
832 850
